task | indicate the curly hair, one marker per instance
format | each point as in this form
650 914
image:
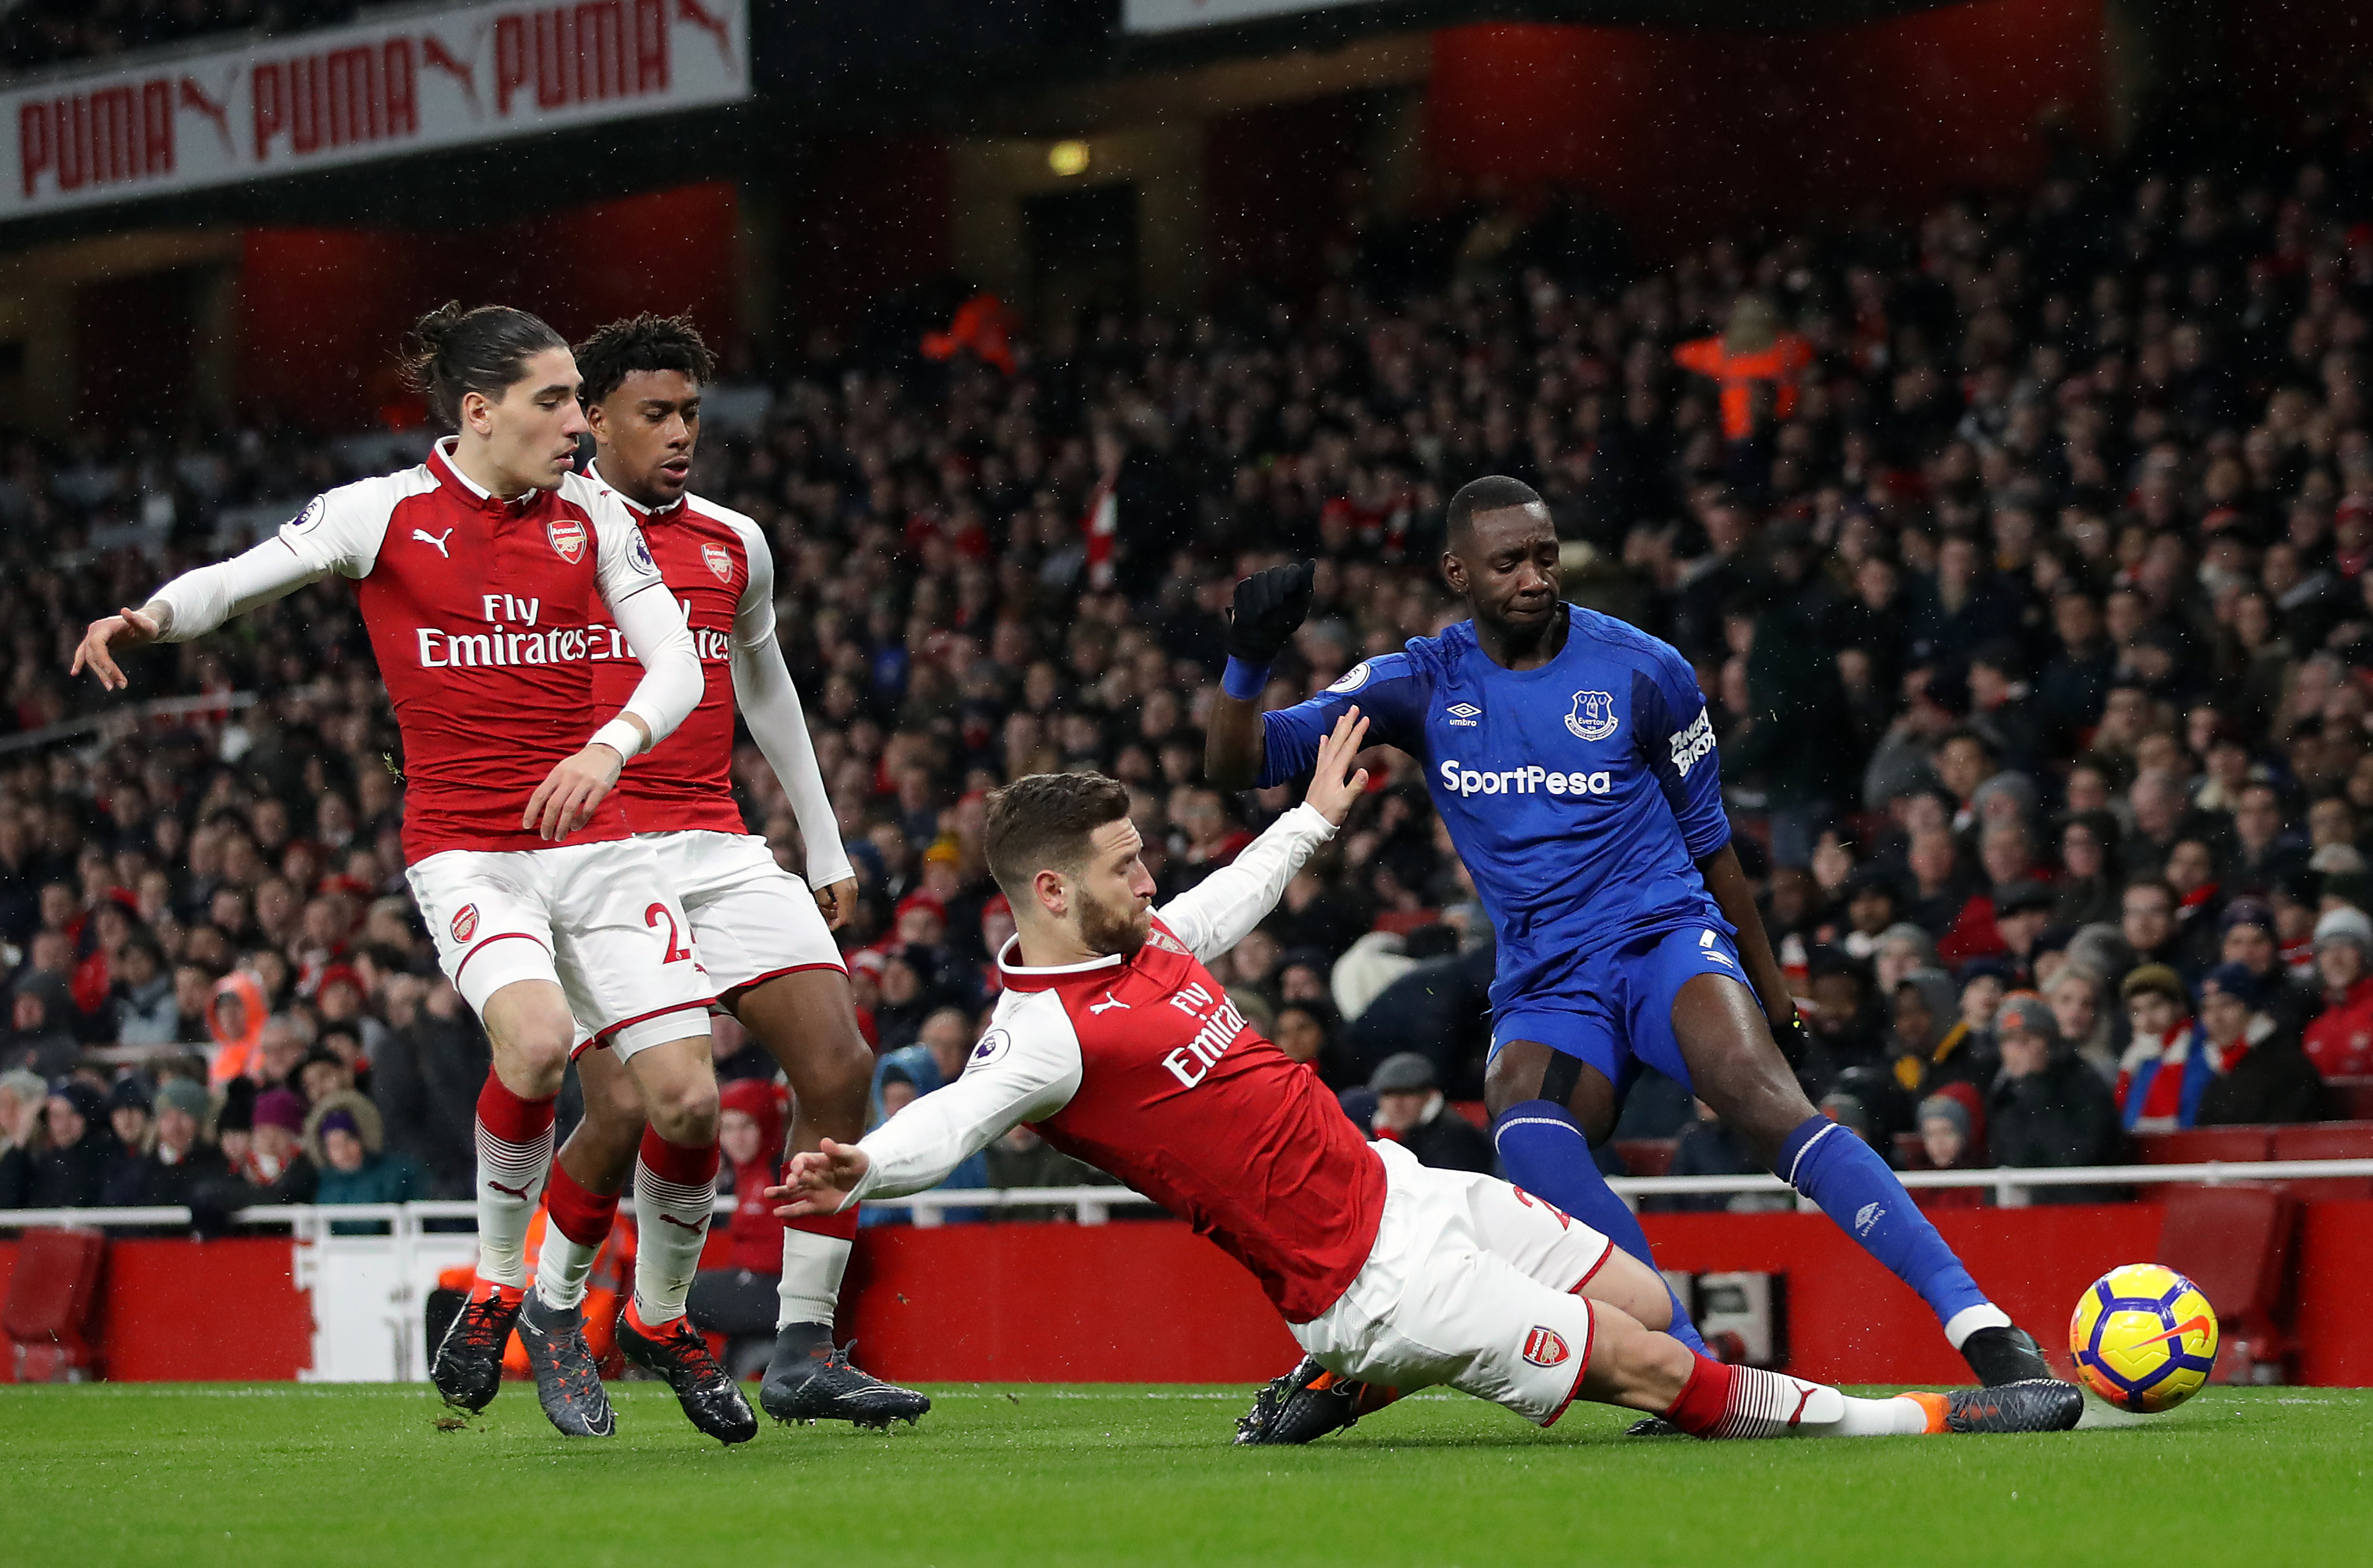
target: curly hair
640 342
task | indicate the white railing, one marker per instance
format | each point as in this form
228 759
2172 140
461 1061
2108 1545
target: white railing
1092 1205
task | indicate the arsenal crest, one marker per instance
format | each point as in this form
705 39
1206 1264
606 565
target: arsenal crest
465 919
567 536
1545 1346
719 562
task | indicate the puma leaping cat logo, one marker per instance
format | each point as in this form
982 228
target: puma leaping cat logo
437 539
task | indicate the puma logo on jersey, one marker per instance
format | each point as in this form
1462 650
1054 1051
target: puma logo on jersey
1108 1004
437 539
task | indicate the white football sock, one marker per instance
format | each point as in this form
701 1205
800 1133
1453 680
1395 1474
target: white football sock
511 1178
561 1268
813 1267
670 1223
1970 1319
1771 1404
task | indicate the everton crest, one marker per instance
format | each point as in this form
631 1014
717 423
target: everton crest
1593 718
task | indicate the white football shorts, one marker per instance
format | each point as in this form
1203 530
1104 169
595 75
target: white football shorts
1470 1284
600 920
752 918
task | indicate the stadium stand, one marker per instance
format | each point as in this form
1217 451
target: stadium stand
35 33
2039 550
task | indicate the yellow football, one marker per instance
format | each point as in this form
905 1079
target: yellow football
2145 1338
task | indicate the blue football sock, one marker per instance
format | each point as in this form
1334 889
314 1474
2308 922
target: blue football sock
1543 1152
1846 1177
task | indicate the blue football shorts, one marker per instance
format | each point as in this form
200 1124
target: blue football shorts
1625 1019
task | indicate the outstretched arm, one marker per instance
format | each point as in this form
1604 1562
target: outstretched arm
195 604
1221 909
1026 1068
1270 605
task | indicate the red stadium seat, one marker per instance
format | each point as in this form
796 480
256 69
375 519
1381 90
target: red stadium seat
2203 1145
52 1298
2327 1140
2235 1244
1645 1156
1400 923
1473 1111
2352 1097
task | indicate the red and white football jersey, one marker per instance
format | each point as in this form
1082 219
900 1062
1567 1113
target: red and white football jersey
481 613
1143 1067
716 563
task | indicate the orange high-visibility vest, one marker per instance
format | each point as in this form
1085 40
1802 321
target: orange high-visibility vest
1781 364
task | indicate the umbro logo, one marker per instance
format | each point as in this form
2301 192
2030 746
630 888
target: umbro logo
437 539
1867 1216
1464 714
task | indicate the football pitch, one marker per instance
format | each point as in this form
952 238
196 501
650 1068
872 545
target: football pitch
114 1474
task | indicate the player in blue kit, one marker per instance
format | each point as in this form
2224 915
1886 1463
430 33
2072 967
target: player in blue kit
1572 757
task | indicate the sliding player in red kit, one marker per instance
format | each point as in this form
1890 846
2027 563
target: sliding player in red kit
764 936
1115 1042
482 575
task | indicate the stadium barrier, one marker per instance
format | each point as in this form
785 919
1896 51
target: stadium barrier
1150 1300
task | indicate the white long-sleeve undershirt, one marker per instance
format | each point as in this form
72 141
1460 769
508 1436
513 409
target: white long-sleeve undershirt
1028 1065
770 706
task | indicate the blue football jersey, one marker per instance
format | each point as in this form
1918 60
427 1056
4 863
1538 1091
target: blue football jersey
1580 794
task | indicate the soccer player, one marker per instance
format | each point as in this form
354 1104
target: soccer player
1115 1041
1572 760
764 937
483 575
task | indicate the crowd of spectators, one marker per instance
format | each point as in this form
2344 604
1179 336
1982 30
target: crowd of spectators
2021 552
35 33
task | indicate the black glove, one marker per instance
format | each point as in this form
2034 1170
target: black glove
1269 606
1796 1040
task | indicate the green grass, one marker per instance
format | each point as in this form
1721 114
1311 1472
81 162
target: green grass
1045 1477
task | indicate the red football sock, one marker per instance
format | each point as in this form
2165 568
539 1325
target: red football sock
1705 1398
581 1215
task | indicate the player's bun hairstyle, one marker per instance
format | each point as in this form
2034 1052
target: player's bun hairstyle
1042 822
455 352
641 343
1492 493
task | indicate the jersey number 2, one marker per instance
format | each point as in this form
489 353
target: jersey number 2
677 953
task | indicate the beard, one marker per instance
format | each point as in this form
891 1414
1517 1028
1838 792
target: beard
1105 929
